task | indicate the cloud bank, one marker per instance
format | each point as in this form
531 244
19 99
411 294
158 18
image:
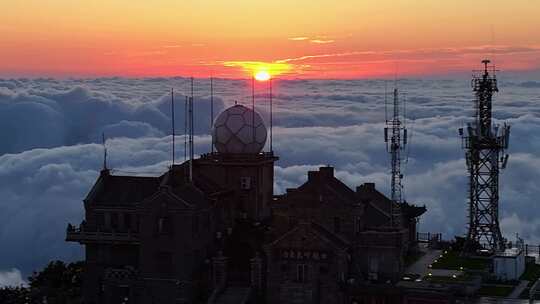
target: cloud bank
12 277
50 156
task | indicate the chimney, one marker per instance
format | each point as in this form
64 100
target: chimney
327 172
312 175
366 187
105 172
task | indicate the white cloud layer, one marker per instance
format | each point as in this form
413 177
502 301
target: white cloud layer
49 157
12 277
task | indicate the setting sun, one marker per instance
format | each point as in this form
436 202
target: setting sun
262 76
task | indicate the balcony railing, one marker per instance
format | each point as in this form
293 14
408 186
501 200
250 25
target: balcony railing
81 235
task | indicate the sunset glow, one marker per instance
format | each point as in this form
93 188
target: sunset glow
310 39
262 76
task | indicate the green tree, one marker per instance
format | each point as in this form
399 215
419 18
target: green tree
57 283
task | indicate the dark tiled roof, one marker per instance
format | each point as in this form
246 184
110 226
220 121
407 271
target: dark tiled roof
114 190
320 185
370 195
179 176
318 229
337 240
413 211
124 190
192 195
381 204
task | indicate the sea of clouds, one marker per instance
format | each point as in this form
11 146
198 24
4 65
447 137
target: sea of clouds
51 154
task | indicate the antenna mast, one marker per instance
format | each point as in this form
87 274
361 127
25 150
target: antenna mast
186 102
485 145
211 110
253 107
396 142
271 117
104 151
172 119
191 134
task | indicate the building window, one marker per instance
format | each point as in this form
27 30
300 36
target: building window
127 221
107 219
136 225
195 224
164 225
100 220
208 221
114 221
163 262
337 225
302 273
245 183
358 224
292 221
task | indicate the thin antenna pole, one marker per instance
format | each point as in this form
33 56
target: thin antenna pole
404 110
186 101
104 151
211 110
386 101
172 119
253 107
395 76
492 46
271 117
191 134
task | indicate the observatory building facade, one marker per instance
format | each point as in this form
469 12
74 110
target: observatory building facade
211 230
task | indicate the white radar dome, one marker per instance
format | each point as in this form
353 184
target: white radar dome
233 131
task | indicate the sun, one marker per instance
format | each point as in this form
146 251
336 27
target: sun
262 75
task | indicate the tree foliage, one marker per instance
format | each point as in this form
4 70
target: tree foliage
57 283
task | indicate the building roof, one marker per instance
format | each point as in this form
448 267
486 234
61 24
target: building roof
380 204
304 227
117 190
367 194
178 176
191 194
121 190
321 186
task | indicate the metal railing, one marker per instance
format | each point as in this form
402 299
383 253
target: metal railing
532 251
428 237
81 235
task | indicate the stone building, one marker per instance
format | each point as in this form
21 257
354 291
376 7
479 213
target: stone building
211 230
352 226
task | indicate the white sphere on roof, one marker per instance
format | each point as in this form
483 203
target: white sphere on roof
233 131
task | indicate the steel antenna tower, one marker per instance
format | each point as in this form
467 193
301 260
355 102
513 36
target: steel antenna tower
395 136
485 146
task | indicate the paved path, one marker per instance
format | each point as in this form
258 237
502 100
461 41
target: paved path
421 266
518 289
488 300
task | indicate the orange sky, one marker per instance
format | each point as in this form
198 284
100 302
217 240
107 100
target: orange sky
227 38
